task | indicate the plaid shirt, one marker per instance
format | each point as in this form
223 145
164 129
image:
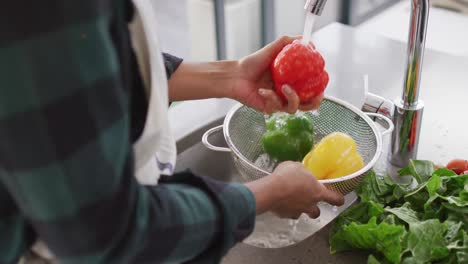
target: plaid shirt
70 108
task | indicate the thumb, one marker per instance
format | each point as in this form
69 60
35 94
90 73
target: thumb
332 197
261 60
270 51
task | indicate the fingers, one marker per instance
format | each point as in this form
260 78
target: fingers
295 216
331 197
313 105
290 214
276 46
272 101
263 57
260 61
294 102
313 212
293 99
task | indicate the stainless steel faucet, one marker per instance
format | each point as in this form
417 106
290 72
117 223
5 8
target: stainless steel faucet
315 6
407 112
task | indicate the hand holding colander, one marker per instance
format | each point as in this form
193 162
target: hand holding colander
243 129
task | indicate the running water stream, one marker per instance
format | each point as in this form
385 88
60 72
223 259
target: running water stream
306 39
308 27
272 232
307 35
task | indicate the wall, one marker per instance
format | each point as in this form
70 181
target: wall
173 26
186 27
290 16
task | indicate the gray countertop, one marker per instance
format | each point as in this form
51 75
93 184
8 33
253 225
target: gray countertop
313 250
446 31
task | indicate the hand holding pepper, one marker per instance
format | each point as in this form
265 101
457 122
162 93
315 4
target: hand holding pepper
291 191
248 80
254 85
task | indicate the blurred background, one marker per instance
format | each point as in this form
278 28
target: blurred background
205 30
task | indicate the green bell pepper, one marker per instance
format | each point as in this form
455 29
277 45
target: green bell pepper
288 137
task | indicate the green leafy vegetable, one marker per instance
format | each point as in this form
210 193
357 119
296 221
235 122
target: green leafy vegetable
462 254
419 169
380 189
359 213
382 237
453 230
405 213
433 185
374 260
426 240
427 223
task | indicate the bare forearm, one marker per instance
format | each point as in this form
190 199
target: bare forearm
203 80
266 191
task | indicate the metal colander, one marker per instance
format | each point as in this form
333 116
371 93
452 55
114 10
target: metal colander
243 129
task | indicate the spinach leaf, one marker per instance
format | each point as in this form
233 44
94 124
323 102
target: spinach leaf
444 172
359 213
391 220
410 260
405 213
458 217
433 185
456 209
382 237
381 189
374 260
426 240
421 170
464 193
456 201
454 185
424 224
453 231
418 197
462 254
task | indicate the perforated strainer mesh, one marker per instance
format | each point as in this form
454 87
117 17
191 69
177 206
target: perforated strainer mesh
244 127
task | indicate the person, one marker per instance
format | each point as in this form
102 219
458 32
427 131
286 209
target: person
74 102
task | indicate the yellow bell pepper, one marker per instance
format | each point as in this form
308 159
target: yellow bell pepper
334 156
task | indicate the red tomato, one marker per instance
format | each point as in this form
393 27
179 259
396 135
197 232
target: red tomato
302 68
458 166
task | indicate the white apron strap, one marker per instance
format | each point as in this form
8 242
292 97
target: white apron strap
155 152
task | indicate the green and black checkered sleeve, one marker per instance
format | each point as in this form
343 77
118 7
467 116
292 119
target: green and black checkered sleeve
66 162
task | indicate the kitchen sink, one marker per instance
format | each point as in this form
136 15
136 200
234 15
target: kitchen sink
195 156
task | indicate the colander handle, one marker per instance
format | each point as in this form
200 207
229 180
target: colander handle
386 119
211 146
